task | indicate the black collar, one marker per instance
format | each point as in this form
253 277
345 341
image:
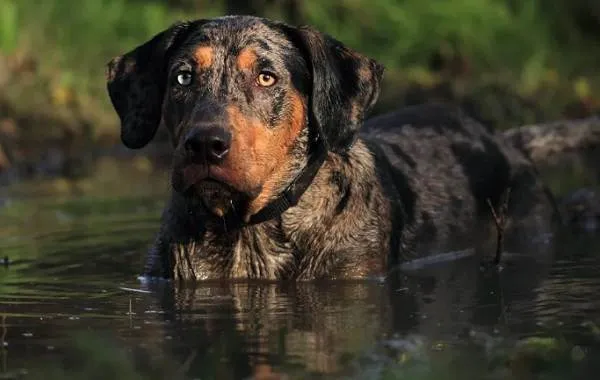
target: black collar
292 193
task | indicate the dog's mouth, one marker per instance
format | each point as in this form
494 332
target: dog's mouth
216 194
218 197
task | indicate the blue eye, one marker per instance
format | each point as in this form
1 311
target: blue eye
184 78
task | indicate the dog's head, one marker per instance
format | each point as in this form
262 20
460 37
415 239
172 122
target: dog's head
236 94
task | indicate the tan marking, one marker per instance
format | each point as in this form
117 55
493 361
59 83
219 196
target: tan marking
365 74
246 59
219 211
355 112
111 68
258 159
280 145
263 371
204 56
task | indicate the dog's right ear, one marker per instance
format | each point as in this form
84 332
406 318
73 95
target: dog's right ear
136 84
345 85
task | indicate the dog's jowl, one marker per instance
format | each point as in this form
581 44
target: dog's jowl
274 175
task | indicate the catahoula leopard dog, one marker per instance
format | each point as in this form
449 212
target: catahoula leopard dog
274 175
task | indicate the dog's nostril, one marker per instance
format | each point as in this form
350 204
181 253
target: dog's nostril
218 147
209 144
194 145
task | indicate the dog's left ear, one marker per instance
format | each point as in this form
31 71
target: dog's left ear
345 86
136 83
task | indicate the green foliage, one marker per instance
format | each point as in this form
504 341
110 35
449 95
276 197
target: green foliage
492 35
75 38
8 26
518 43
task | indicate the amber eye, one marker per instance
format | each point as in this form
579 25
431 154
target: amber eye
265 79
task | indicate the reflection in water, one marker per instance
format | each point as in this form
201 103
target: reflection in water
76 271
317 325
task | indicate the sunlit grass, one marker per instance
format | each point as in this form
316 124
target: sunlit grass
70 42
8 26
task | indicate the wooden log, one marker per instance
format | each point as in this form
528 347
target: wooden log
548 141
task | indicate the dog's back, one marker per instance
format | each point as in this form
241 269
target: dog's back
269 180
445 170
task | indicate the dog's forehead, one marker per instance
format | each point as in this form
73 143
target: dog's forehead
237 32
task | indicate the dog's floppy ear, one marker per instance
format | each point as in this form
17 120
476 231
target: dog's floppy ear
136 83
345 86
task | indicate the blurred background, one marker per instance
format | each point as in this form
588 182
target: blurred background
507 62
78 210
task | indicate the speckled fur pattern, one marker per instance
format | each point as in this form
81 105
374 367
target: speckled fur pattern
335 229
410 183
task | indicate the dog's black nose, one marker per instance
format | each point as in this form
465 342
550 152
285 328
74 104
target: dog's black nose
210 143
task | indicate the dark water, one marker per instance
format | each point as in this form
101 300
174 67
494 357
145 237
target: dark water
71 307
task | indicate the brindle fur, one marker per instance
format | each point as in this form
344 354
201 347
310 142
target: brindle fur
410 183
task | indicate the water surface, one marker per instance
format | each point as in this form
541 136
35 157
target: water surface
70 303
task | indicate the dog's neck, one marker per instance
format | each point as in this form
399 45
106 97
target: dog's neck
335 223
282 194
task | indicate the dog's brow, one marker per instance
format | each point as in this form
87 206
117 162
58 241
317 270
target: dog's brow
247 58
179 64
264 62
204 55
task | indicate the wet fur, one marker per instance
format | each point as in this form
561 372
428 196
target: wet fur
324 223
428 180
411 183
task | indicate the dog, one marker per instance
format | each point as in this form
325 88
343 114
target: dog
274 175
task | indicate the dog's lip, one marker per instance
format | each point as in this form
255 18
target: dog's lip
194 174
211 182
